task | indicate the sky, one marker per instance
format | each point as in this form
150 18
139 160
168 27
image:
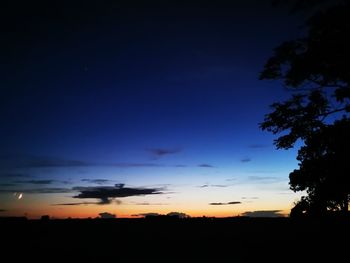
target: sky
141 107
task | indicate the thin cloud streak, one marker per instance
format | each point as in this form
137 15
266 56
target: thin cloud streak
228 203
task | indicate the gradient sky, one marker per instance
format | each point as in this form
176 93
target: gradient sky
149 108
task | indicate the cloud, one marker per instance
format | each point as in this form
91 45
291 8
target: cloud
96 181
7 184
135 165
106 215
263 213
52 162
146 203
246 160
48 190
231 179
3 210
213 185
34 182
32 161
12 175
160 152
118 202
72 204
106 193
205 165
253 197
147 214
229 203
178 215
262 178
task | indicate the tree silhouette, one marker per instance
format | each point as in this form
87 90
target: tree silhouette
315 69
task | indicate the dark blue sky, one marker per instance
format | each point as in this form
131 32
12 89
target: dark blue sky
141 93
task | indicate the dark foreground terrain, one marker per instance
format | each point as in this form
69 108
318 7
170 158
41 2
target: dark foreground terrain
168 239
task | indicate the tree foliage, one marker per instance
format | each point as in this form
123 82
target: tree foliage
316 70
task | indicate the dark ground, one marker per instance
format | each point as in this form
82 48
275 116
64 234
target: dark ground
168 239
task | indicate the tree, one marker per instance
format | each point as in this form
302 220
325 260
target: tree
315 69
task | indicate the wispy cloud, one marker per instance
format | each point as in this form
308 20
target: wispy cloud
73 204
263 213
53 190
13 175
96 181
135 165
205 165
247 197
220 185
118 202
34 182
12 162
106 193
231 179
246 160
7 184
262 178
147 203
228 203
54 163
213 185
160 152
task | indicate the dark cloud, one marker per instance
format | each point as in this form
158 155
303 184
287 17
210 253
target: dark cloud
96 181
106 193
147 214
51 162
30 161
213 185
72 204
246 160
263 213
178 215
160 152
118 202
229 203
258 146
34 182
205 165
53 190
13 175
220 185
136 165
3 210
106 215
7 184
